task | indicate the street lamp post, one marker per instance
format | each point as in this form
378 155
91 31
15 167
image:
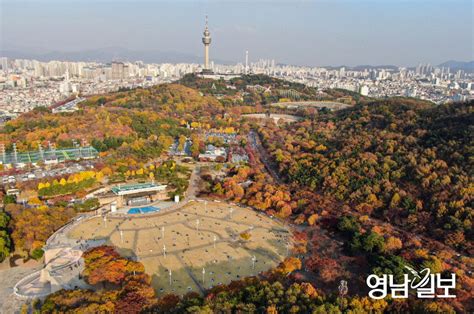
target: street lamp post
343 289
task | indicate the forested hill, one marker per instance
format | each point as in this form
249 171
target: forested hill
369 187
405 161
129 117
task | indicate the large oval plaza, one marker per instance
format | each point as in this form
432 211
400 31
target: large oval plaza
195 247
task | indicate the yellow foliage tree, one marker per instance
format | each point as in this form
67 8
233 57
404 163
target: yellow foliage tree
289 265
393 243
106 171
320 148
245 236
312 219
99 176
229 130
34 201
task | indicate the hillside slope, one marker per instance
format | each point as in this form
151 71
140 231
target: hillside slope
404 161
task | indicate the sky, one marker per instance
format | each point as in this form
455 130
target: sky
314 33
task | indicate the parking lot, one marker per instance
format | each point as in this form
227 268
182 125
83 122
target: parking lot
40 173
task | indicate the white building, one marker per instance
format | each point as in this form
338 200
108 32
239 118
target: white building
364 90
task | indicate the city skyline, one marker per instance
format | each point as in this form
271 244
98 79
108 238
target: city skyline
338 33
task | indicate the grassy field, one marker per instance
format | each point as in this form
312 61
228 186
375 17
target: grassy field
213 244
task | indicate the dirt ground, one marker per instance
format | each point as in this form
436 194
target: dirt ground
201 240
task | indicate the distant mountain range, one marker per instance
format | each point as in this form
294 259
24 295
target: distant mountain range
362 67
105 55
467 66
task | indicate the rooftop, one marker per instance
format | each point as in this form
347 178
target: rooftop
58 154
136 188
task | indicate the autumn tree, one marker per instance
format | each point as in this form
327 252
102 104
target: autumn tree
104 265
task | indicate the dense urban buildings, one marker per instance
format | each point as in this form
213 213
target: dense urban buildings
25 84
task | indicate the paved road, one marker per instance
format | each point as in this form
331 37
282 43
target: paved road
256 144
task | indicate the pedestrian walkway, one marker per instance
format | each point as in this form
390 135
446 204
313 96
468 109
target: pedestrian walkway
64 263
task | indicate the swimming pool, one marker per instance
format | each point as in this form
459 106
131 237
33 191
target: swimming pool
143 210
